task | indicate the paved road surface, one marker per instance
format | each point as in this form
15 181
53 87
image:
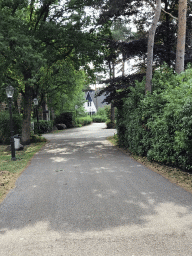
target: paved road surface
83 197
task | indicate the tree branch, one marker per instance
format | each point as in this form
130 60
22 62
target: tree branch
169 14
153 6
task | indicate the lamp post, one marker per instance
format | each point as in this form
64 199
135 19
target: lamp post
10 92
76 107
35 101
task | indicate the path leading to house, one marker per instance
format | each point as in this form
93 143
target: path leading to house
81 196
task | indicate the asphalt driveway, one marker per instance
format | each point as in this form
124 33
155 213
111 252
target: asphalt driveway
82 196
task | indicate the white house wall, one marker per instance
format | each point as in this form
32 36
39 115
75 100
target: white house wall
90 109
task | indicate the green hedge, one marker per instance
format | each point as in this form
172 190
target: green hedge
103 114
99 119
43 126
159 125
65 118
5 126
80 121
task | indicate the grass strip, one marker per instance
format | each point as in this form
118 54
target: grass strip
10 170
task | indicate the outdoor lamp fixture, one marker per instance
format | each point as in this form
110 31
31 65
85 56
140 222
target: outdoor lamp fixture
76 107
35 101
10 92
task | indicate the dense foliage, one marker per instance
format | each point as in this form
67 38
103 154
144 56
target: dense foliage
134 44
159 125
99 119
81 121
5 132
65 118
45 49
43 126
102 115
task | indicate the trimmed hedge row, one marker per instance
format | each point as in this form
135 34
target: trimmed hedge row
159 125
99 119
81 121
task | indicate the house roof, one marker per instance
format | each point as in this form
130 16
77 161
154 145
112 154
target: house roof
88 97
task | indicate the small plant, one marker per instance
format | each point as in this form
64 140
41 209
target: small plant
110 125
114 140
37 138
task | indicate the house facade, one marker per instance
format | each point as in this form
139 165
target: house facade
93 103
89 105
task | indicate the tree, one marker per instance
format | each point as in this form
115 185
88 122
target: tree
120 32
181 36
151 38
39 35
62 86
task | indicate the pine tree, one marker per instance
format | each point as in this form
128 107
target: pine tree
151 39
181 36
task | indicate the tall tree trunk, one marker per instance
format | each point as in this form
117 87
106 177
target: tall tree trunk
181 36
26 126
112 105
45 111
148 85
123 65
168 39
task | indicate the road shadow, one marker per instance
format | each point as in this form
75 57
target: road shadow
85 184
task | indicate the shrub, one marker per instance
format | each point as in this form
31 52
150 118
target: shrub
80 121
43 126
110 125
65 118
104 111
120 123
129 120
5 126
159 125
171 128
102 114
99 119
